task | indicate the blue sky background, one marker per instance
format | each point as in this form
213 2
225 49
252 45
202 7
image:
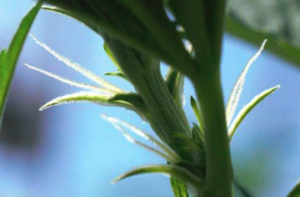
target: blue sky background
79 153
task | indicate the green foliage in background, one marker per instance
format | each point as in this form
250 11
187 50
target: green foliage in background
9 58
278 21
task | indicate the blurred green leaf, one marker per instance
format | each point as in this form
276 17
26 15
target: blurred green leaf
198 135
296 191
111 56
116 74
70 14
277 21
175 81
9 58
197 113
247 108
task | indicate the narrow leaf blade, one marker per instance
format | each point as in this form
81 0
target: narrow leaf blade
176 172
197 113
238 87
111 56
70 82
175 81
88 74
8 60
78 97
247 109
116 74
167 150
143 145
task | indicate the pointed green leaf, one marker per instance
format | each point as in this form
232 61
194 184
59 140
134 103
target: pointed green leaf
116 74
247 109
84 97
175 82
198 135
238 87
197 113
111 56
295 192
176 172
71 83
88 74
92 97
9 58
174 158
164 155
190 144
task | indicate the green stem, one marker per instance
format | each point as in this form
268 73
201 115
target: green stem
219 173
166 116
144 73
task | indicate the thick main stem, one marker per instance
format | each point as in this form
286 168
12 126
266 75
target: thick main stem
219 173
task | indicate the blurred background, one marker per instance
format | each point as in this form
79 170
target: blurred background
70 151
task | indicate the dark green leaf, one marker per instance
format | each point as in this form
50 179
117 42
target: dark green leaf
132 98
116 74
115 19
198 135
296 191
175 82
111 56
9 58
153 16
70 14
191 15
197 113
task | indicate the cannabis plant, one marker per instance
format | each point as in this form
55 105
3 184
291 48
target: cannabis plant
139 36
